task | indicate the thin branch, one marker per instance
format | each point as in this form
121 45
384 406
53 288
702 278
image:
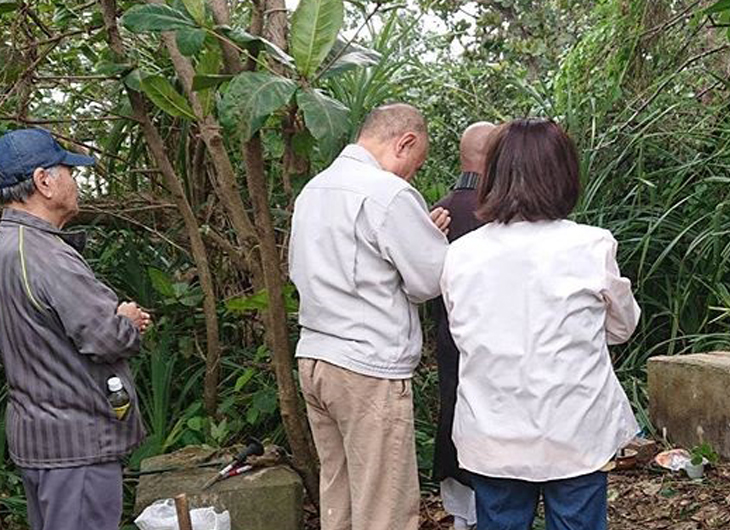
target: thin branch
26 9
75 77
708 89
99 106
133 221
244 51
221 16
671 22
158 150
90 147
133 209
669 79
75 9
61 37
224 244
714 24
143 171
19 119
28 71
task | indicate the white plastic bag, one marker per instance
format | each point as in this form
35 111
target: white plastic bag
162 516
674 459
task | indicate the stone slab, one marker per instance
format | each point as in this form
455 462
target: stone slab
689 396
269 498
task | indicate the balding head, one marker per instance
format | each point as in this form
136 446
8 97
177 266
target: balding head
396 135
472 148
389 121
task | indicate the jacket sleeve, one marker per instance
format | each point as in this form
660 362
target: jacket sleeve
87 310
622 311
410 241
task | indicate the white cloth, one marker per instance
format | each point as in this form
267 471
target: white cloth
459 501
363 252
531 308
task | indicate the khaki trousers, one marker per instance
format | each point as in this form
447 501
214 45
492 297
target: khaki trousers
364 434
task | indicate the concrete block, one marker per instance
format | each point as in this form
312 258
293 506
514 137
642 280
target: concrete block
269 498
689 396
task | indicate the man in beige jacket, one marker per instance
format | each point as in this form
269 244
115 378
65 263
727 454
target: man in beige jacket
363 252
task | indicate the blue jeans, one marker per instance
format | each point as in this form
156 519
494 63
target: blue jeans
578 503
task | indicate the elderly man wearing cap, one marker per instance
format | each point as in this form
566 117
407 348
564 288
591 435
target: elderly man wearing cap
65 341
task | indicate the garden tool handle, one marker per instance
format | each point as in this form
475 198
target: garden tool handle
254 447
183 512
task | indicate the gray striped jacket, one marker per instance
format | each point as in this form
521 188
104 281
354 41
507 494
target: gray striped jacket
60 340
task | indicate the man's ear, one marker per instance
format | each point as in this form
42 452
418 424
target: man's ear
42 180
406 143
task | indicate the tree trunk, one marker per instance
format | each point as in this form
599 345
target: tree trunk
292 412
157 148
290 404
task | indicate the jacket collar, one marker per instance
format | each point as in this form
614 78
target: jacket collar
360 154
467 181
76 239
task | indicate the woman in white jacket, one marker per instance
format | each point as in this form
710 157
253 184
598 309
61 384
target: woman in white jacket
533 301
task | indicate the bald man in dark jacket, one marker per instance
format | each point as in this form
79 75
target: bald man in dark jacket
461 203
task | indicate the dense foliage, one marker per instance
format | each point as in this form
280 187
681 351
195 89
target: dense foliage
641 86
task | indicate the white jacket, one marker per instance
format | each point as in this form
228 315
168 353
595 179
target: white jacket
363 252
532 308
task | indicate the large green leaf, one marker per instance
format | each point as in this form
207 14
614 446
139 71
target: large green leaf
722 5
134 80
190 40
161 282
255 302
109 68
62 17
8 5
162 94
251 98
327 119
344 57
196 8
209 64
255 44
259 301
155 17
314 28
203 82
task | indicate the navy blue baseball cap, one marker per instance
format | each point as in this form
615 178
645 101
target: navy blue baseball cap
25 150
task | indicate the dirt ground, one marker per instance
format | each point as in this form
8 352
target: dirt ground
643 499
653 499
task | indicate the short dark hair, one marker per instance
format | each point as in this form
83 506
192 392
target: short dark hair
391 120
531 173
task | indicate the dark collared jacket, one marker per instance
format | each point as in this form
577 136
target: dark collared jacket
461 203
61 340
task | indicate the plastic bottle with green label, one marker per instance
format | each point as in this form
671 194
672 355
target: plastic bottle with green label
118 397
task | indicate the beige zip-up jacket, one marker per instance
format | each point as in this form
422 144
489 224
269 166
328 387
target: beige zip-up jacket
363 253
